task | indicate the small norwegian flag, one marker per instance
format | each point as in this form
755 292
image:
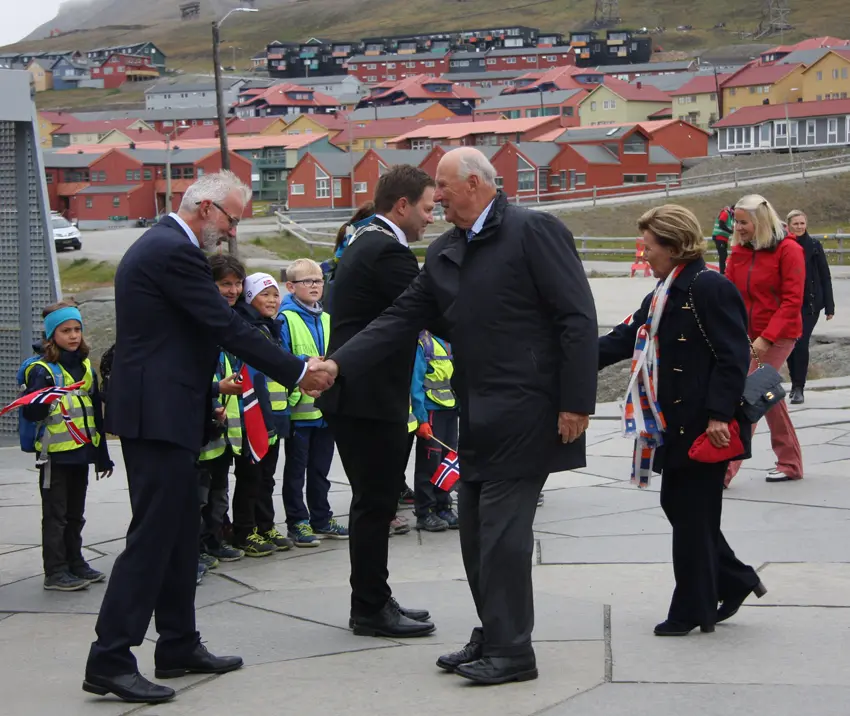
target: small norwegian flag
448 473
44 396
256 433
78 435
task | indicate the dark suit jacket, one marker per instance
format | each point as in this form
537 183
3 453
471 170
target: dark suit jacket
694 385
371 274
518 310
170 320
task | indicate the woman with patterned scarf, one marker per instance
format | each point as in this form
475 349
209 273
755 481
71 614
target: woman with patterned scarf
689 350
362 217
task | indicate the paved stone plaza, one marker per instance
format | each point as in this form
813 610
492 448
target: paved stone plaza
602 576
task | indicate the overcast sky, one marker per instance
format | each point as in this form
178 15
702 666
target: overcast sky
20 17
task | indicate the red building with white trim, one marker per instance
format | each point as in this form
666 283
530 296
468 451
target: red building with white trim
372 69
120 68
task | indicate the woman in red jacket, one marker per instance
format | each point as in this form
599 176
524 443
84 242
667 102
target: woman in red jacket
769 269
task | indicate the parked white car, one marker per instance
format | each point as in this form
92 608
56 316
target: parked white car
65 234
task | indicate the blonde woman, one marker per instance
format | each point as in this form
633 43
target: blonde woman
769 270
816 298
694 356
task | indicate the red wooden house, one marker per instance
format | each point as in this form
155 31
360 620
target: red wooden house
120 68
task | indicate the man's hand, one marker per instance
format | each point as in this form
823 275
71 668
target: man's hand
830 316
718 433
761 346
103 473
219 415
230 385
424 431
571 426
319 377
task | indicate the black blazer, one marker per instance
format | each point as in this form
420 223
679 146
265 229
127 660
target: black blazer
693 385
371 274
170 320
818 294
516 305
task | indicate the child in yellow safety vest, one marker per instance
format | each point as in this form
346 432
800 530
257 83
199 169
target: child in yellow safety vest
226 438
69 439
434 408
305 332
253 498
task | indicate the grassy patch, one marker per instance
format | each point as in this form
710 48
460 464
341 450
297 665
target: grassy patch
83 274
88 99
286 246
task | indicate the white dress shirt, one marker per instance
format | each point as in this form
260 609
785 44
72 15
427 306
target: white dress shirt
479 222
185 227
402 239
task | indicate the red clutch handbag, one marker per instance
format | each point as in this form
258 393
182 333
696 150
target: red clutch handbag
703 451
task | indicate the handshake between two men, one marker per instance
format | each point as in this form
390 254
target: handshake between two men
320 376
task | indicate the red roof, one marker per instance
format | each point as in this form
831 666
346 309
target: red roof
701 84
200 131
562 77
748 116
139 135
75 126
758 75
333 122
250 125
387 128
282 95
813 43
636 92
661 114
457 130
56 117
414 88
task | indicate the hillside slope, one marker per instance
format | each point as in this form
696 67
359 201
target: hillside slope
108 22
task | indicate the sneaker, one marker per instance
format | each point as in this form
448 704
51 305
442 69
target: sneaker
405 500
65 582
202 570
399 526
208 561
280 541
540 500
226 553
256 546
92 576
334 530
431 523
449 516
775 475
302 534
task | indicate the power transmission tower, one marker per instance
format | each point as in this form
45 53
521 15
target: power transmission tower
774 18
606 12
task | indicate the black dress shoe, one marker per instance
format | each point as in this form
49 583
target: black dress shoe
200 661
673 628
471 652
491 670
797 397
418 615
134 688
390 622
729 607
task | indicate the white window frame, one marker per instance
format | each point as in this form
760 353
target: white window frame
337 184
510 60
492 61
581 179
609 104
832 130
296 189
361 187
665 178
634 175
323 187
811 131
521 177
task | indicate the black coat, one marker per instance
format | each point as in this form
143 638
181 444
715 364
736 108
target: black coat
693 385
516 305
170 320
817 296
372 272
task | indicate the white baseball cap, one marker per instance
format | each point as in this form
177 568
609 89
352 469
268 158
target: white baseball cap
256 283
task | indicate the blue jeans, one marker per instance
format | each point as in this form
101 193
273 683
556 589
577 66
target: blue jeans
309 453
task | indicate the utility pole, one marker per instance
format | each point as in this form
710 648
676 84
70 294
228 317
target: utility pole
351 161
168 208
219 99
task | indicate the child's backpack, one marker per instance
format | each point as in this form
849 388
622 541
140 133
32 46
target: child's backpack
29 431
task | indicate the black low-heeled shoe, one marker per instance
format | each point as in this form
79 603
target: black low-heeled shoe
729 607
673 628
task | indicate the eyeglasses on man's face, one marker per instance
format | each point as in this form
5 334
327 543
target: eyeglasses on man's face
234 222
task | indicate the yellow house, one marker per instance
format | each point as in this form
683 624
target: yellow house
755 85
828 78
45 128
42 77
619 102
306 124
697 101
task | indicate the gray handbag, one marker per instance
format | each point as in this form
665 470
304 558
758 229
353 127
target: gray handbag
763 388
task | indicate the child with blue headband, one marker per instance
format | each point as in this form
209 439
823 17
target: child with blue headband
69 438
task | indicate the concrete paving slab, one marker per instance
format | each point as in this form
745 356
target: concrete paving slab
21 564
824 486
592 502
450 604
613 584
43 657
650 521
566 480
613 447
758 646
376 683
617 549
805 585
705 700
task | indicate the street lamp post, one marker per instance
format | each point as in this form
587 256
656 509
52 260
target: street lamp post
219 100
788 127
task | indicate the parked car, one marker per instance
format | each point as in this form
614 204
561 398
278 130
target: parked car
65 234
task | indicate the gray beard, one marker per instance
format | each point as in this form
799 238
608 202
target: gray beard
211 238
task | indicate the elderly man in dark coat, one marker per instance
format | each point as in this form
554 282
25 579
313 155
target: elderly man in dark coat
509 290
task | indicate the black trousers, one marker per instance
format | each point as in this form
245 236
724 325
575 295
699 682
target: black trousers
157 571
429 455
706 569
374 455
497 544
214 476
722 250
253 496
798 361
63 504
